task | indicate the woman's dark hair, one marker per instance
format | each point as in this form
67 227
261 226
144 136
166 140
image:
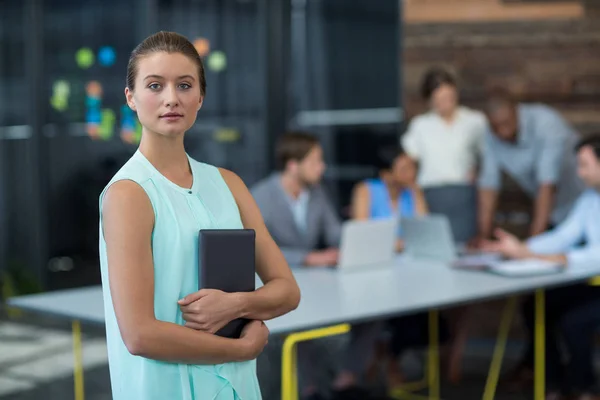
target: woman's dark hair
433 79
294 146
593 141
168 42
386 156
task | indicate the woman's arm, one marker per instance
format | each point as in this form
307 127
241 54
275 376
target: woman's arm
280 293
361 202
128 220
420 202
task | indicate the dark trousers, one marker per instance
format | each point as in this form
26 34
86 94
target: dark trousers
572 315
413 331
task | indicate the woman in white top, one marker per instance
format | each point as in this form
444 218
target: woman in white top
445 140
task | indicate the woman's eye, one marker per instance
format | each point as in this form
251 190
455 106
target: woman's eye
154 86
185 86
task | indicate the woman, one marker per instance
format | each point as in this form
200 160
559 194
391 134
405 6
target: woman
160 329
393 193
446 141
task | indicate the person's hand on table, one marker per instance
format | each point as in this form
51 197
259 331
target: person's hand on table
476 243
256 336
506 244
399 245
209 310
323 258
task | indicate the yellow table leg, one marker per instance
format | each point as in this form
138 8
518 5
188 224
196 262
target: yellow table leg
496 365
539 390
289 372
78 361
433 370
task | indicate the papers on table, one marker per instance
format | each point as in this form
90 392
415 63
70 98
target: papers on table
525 267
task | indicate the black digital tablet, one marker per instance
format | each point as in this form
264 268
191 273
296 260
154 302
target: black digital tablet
227 262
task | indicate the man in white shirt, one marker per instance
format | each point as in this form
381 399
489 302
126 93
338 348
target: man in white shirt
575 310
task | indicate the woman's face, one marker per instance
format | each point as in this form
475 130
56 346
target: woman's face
444 99
404 170
167 93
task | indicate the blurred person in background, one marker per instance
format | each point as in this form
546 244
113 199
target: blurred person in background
572 312
393 194
160 345
533 144
446 140
301 219
296 209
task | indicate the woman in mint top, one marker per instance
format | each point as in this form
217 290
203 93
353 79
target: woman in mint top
160 328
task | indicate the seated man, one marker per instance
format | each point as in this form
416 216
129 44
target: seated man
574 311
295 207
300 216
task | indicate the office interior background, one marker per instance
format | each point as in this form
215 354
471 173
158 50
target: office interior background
346 70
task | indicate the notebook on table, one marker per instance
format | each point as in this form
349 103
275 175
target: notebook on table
526 267
227 262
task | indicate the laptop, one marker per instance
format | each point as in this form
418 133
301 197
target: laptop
367 244
431 238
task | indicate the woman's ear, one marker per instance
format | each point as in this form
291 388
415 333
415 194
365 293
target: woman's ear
129 98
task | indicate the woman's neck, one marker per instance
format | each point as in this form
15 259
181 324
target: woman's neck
166 154
450 116
393 188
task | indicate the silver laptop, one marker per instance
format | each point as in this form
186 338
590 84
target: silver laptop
367 244
431 238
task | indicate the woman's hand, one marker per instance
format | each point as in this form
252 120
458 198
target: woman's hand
209 310
256 337
399 245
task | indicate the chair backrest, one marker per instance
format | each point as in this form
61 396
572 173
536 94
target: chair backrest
459 204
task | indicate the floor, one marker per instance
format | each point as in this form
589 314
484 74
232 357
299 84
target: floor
36 364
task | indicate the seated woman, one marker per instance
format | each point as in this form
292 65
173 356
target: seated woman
394 194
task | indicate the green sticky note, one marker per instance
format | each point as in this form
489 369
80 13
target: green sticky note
107 124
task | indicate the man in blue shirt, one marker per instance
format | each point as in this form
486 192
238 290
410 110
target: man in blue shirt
533 144
573 311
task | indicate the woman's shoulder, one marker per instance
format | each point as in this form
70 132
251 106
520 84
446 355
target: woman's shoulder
132 171
472 114
423 119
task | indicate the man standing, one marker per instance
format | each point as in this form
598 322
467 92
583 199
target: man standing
571 312
533 144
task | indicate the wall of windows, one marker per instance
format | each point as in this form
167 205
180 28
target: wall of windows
65 130
271 66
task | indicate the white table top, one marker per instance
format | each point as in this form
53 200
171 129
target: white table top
331 297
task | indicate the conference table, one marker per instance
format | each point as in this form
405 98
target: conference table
332 300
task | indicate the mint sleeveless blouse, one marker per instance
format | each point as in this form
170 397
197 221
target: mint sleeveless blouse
179 214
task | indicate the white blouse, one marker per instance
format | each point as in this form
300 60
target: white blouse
447 152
